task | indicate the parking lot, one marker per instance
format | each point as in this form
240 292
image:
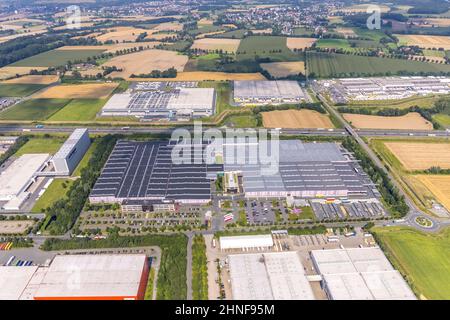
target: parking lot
355 209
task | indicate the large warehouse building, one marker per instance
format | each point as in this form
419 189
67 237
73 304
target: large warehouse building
71 152
268 92
269 276
360 274
162 102
78 277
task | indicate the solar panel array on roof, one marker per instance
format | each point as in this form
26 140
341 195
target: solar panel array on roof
145 170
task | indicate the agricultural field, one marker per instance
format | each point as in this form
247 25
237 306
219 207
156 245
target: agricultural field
423 258
146 61
325 65
410 121
79 91
346 32
33 79
420 156
11 72
209 76
300 43
439 186
19 90
296 119
34 109
213 44
273 47
121 34
284 69
79 110
56 191
425 41
55 58
112 48
443 120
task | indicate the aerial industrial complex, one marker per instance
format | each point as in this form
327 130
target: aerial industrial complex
78 277
177 101
268 92
388 88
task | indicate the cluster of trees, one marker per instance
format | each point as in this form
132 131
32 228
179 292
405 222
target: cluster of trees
199 269
61 216
19 242
390 193
437 170
171 283
169 73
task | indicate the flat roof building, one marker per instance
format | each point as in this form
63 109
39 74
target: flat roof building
71 152
246 242
268 92
20 175
360 274
14 280
268 276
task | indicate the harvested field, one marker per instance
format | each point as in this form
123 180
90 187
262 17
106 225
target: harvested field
421 155
121 34
410 121
146 61
79 91
46 80
111 48
300 43
169 26
436 22
296 119
346 32
15 227
209 76
439 186
205 22
424 41
208 44
9 72
284 69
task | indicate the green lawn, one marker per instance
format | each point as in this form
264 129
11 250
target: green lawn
41 145
19 90
333 43
55 58
79 110
273 47
34 109
443 119
199 269
423 258
54 192
241 121
324 65
85 161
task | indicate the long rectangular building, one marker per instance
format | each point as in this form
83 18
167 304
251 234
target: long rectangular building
268 92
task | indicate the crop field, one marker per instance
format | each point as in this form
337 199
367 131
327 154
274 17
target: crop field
34 109
300 43
19 90
421 155
15 227
333 43
296 119
346 32
423 258
438 22
273 47
425 41
439 186
55 58
146 61
79 110
79 91
410 121
212 44
54 192
112 48
42 145
209 76
11 72
284 69
121 34
169 26
33 79
335 65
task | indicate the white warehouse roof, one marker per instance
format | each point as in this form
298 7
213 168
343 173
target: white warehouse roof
245 242
19 174
267 276
14 280
70 144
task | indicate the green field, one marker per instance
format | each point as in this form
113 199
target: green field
19 90
443 119
79 110
56 58
85 161
324 65
423 258
333 43
35 109
241 121
41 145
54 192
270 47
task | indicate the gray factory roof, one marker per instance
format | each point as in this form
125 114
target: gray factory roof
70 143
267 89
